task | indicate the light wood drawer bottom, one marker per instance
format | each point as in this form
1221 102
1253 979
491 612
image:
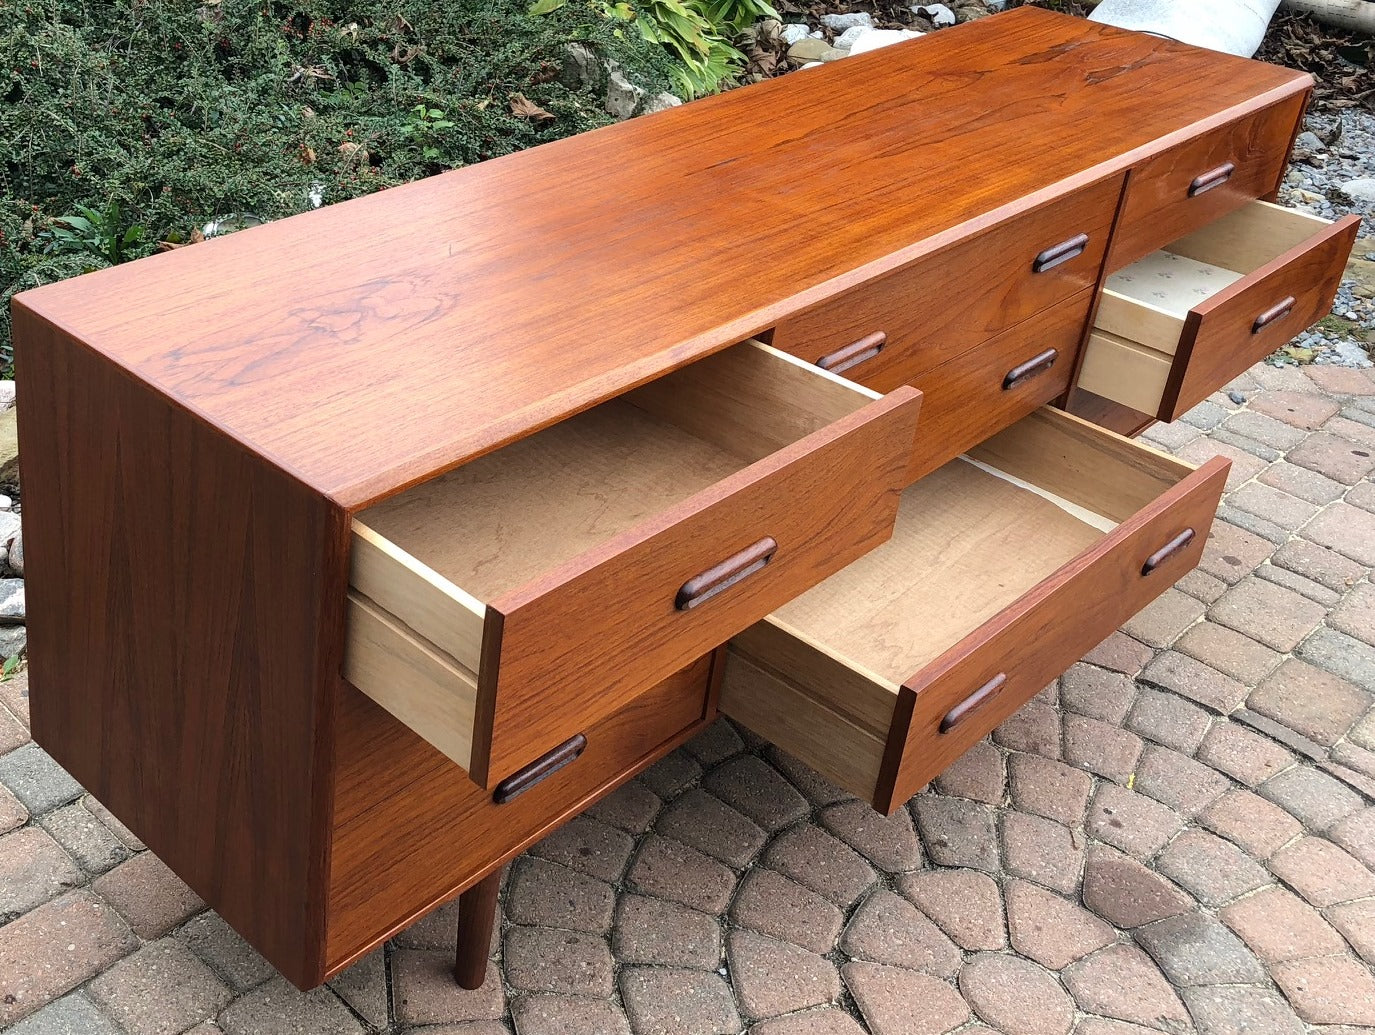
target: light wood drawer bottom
1004 569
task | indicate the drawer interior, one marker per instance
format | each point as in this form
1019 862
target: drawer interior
427 562
1145 307
972 538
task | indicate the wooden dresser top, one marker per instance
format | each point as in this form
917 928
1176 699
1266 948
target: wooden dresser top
372 344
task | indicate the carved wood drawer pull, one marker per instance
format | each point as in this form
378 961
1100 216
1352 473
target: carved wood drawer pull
1278 311
541 768
701 588
1024 371
1167 551
1061 253
973 702
1205 182
854 354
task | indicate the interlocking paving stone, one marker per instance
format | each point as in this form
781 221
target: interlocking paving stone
1319 564
715 744
1244 465
979 775
772 904
670 869
148 895
565 1015
1342 655
665 934
815 787
1214 871
1120 653
12 811
1168 720
56 947
1334 456
14 695
1274 505
672 773
894 1001
1312 797
773 977
888 929
1303 410
1356 920
1101 748
73 1014
539 959
1229 652
1015 995
825 1021
1356 833
1305 587
161 989
1159 624
589 846
1138 825
1318 704
1355 615
363 986
1178 781
756 790
965 904
33 869
710 825
36 780
1045 787
276 1007
889 842
111 821
823 863
1243 755
1126 893
1123 983
1099 693
1278 926
423 992
1278 434
1257 826
545 894
1051 930
1199 585
13 733
1321 872
1348 530
1195 949
1277 617
1193 679
86 839
1034 728
1329 989
678 1002
1041 850
957 832
1231 553
1241 1010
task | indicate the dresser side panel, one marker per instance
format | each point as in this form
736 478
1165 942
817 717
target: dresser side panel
185 603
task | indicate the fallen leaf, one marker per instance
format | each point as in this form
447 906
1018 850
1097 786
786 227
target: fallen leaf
524 108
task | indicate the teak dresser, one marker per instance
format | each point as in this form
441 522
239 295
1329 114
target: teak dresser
368 546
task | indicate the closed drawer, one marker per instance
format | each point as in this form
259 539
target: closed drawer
1004 569
410 829
1180 323
966 399
500 609
1196 182
888 331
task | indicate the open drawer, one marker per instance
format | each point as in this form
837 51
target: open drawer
1005 567
1180 323
502 608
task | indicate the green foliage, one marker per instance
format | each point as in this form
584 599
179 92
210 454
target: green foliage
163 114
700 34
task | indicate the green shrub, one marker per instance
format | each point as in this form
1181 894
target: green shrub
163 114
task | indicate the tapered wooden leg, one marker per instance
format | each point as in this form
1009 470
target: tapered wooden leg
477 911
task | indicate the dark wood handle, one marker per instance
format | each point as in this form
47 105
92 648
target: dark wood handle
854 354
545 766
1029 369
1278 311
701 588
1205 182
1167 551
1060 253
973 702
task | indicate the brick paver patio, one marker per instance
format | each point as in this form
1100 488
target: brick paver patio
1178 836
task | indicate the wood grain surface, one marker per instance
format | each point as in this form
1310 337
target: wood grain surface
411 829
185 623
470 308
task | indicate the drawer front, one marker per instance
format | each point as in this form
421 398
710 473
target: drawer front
1249 320
888 331
411 829
989 387
1202 179
576 644
982 680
